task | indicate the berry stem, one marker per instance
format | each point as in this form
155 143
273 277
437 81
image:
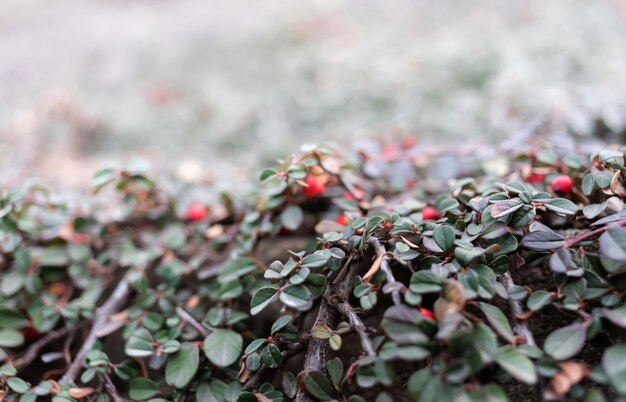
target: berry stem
574 241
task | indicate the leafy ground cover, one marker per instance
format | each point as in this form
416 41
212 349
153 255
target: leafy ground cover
344 276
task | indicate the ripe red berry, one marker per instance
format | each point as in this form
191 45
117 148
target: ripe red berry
343 220
535 178
409 142
430 213
390 150
197 212
358 193
562 184
427 314
314 187
30 333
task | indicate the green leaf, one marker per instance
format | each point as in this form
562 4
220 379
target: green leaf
291 217
515 187
588 184
425 282
541 240
560 261
593 210
497 319
516 364
223 347
142 389
538 299
262 298
295 296
139 344
318 385
614 365
334 367
561 206
616 316
267 174
401 323
613 249
12 283
182 366
11 319
11 338
290 387
316 260
281 323
505 207
102 177
425 387
602 178
565 342
444 237
254 345
213 391
235 269
18 385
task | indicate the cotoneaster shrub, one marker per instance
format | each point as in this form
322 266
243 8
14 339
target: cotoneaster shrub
345 278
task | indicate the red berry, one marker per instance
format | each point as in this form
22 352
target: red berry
314 187
79 238
562 184
427 314
535 178
197 212
430 213
30 333
409 142
358 194
390 150
343 220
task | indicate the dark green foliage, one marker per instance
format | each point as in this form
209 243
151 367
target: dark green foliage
384 305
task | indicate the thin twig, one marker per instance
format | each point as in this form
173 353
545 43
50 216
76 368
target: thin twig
189 319
520 326
111 306
384 266
34 350
574 241
355 322
111 390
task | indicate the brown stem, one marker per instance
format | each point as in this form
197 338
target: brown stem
111 306
574 241
319 349
384 266
111 390
189 319
355 322
519 326
34 350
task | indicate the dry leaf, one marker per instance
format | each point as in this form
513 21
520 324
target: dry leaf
262 398
373 269
80 393
193 301
408 243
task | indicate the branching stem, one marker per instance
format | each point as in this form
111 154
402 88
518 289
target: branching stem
384 266
111 306
574 241
189 319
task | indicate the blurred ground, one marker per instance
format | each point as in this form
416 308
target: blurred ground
208 87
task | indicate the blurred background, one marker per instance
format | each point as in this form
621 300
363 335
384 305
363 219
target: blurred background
215 89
